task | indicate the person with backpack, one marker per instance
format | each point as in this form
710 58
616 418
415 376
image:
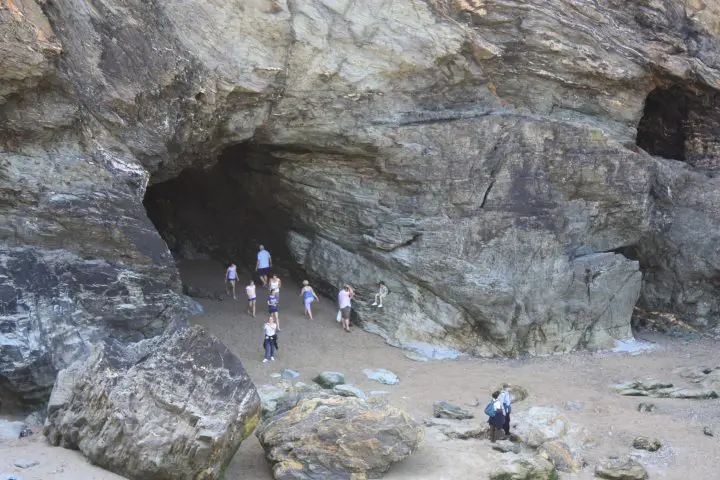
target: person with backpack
496 416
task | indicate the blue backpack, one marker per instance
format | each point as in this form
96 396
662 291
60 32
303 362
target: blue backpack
490 409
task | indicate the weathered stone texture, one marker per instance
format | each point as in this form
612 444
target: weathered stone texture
173 407
480 157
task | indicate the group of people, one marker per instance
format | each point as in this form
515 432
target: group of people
498 412
273 284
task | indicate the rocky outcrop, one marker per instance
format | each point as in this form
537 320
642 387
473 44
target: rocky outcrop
175 407
538 426
316 435
525 468
621 469
485 159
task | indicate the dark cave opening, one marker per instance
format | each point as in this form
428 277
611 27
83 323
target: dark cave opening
224 212
679 122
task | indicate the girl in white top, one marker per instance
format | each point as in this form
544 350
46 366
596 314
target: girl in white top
275 284
269 343
231 277
250 290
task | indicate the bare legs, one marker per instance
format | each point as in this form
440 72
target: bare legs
232 287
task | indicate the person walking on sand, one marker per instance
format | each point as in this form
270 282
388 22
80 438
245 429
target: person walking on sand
309 296
270 342
273 304
264 262
496 413
231 277
275 284
344 297
506 399
250 290
380 295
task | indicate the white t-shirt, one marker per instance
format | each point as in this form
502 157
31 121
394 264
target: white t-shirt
250 289
270 329
499 406
505 398
263 257
344 299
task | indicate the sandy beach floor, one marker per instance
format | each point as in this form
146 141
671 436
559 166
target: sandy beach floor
314 346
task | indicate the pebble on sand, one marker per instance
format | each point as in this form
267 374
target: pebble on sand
382 375
26 463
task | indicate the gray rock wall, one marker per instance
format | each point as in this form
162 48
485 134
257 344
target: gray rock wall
478 156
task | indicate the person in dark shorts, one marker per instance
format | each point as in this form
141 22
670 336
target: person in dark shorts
231 278
345 306
264 262
273 305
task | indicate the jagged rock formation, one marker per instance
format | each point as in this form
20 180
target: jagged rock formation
508 167
176 406
317 434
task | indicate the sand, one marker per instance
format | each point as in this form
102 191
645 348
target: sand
313 346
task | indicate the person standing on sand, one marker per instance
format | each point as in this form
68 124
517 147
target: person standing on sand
344 304
309 296
273 304
264 262
270 342
497 420
275 284
231 277
506 400
250 290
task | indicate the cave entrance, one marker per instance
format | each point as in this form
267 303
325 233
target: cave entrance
223 212
679 122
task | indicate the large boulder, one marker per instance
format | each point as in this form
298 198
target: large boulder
539 425
444 409
338 437
173 407
525 468
506 170
621 469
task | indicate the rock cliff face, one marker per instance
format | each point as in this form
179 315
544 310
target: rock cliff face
510 168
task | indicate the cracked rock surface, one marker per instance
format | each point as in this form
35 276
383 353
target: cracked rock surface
494 162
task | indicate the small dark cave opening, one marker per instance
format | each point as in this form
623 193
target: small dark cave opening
224 212
681 122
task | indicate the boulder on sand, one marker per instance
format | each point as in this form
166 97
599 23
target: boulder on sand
329 379
525 468
645 443
448 410
538 425
382 375
621 469
561 456
176 406
336 437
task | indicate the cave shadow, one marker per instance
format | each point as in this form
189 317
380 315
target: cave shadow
224 212
679 122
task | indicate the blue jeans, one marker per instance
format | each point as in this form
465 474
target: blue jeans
269 348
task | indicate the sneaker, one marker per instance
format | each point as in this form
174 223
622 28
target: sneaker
379 306
374 304
272 358
264 360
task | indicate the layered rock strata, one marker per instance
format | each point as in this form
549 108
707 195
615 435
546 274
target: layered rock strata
484 158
